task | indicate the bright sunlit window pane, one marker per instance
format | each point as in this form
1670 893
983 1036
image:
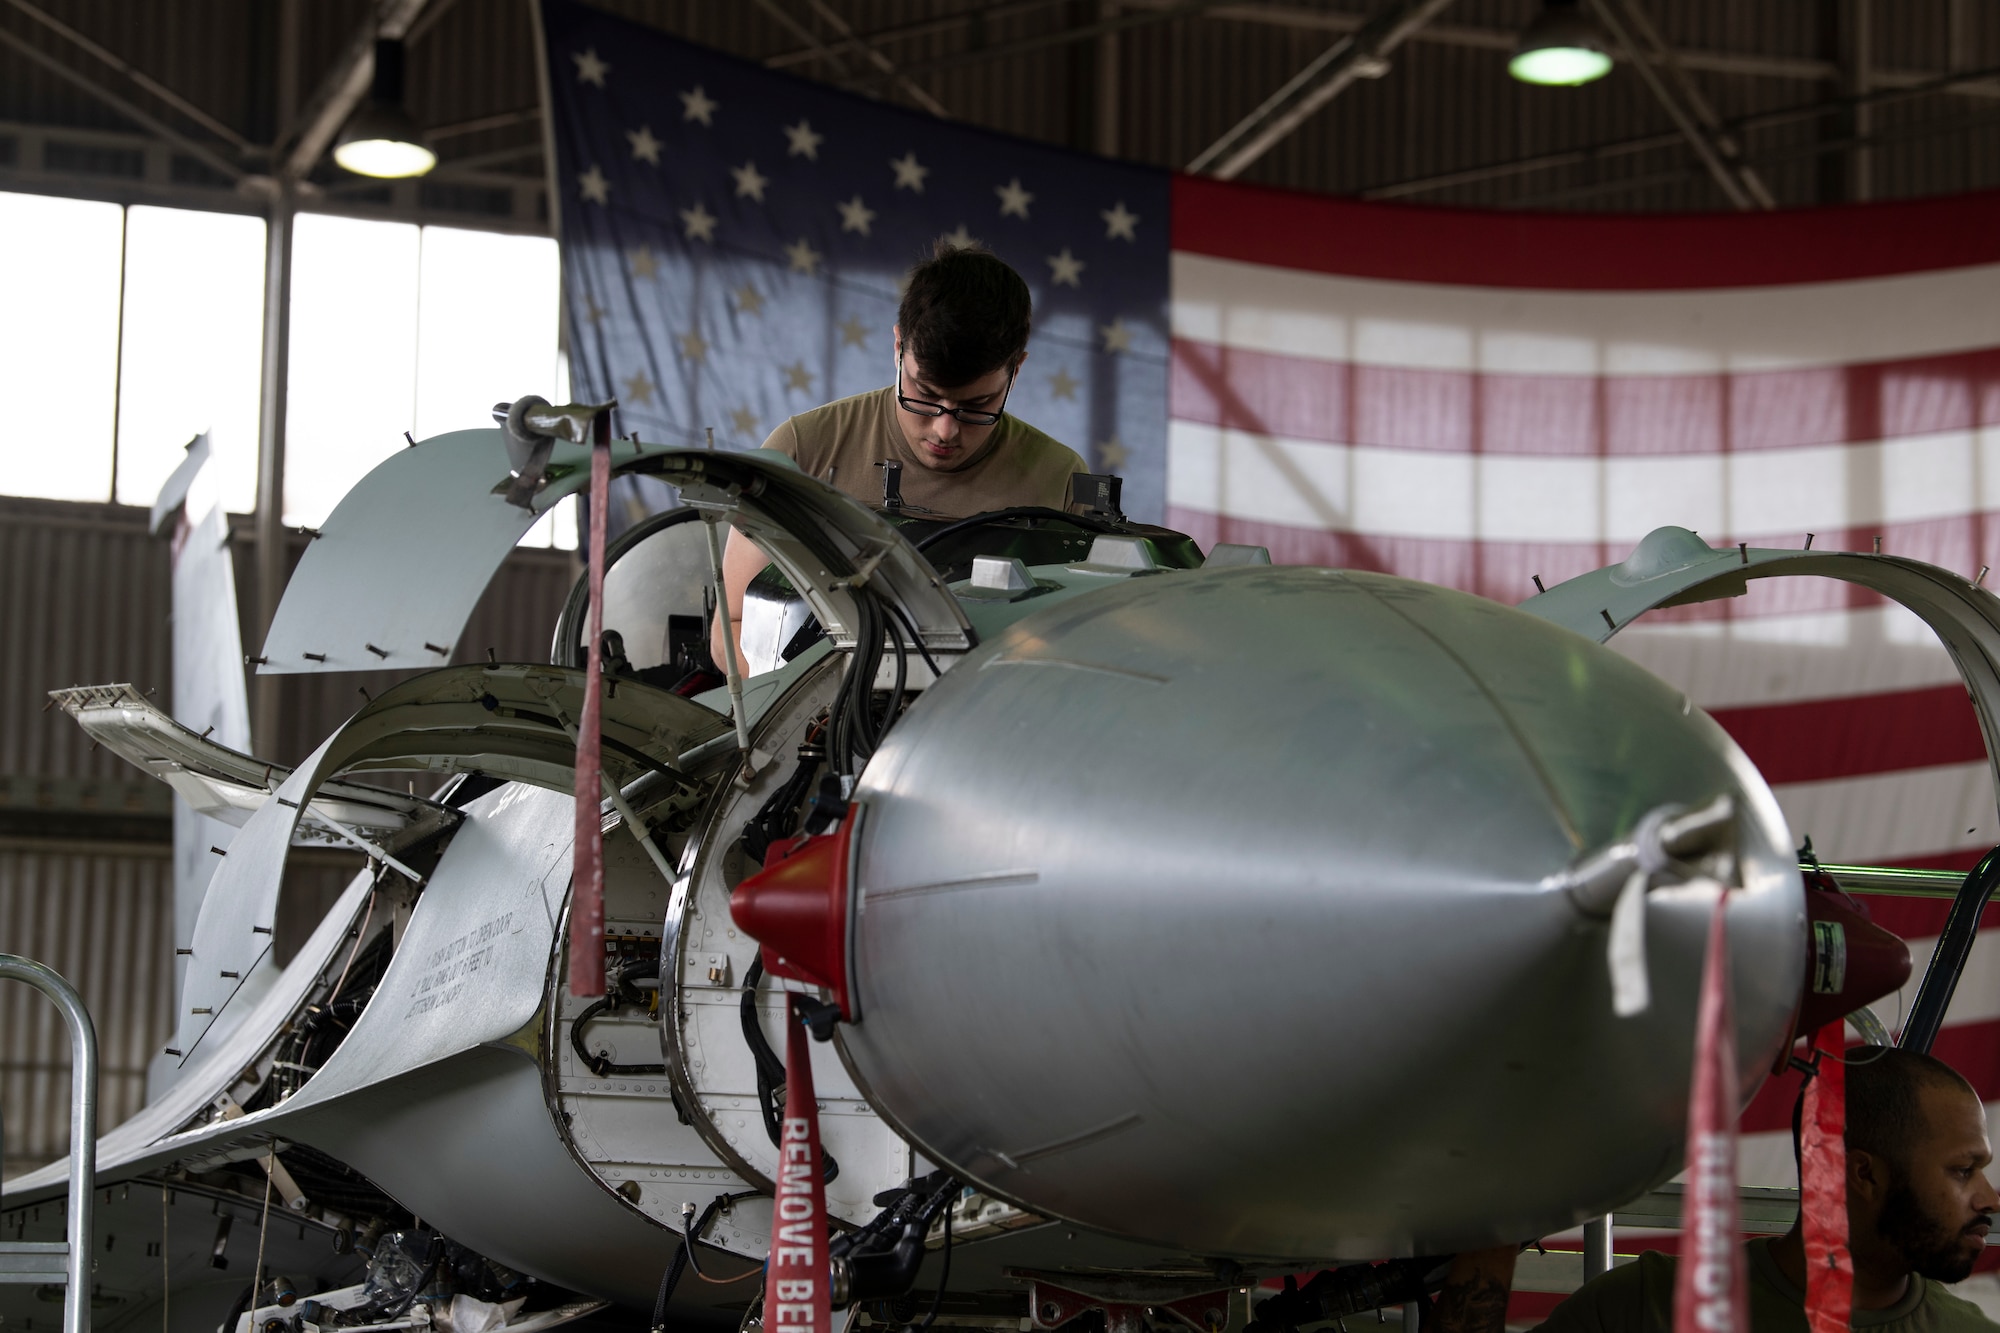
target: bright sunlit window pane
487 329
353 356
555 528
59 261
486 334
194 327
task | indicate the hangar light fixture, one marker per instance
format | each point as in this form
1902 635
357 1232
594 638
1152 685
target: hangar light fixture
1561 48
382 139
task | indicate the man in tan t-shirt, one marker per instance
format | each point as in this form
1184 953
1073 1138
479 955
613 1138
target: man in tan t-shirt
961 335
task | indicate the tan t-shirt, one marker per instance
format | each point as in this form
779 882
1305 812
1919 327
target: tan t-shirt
1639 1298
843 441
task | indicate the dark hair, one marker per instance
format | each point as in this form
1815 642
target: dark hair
1884 1099
964 315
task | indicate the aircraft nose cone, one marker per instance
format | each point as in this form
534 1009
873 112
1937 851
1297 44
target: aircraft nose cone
1210 909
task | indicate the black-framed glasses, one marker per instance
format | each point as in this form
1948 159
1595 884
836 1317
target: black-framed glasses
965 416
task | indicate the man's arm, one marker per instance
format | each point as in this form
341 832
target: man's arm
1474 1297
742 561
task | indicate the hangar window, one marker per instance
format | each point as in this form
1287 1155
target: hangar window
60 270
148 327
400 328
192 343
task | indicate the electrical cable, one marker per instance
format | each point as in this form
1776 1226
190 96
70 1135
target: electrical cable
236 1309
770 1069
670 1279
896 690
852 706
433 1258
684 1255
602 1065
944 1275
780 811
916 639
690 1229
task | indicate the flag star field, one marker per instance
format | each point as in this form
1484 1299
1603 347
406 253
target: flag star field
734 243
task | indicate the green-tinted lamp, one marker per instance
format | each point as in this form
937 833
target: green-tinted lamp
1561 48
382 139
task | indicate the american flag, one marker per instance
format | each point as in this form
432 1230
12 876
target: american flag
734 239
1475 399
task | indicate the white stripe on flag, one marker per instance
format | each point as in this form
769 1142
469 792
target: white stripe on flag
1436 326
1873 820
1781 659
1524 498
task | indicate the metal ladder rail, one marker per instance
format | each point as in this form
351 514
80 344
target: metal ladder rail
69 1263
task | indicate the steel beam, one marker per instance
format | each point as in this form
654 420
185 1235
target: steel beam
499 120
1646 142
1727 145
272 407
1166 13
145 120
1857 59
1792 68
903 32
135 74
868 51
1982 120
1504 40
274 374
341 91
1361 54
1718 151
790 23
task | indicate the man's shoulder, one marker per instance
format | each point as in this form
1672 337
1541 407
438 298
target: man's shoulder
846 433
1038 449
1944 1309
839 416
1631 1298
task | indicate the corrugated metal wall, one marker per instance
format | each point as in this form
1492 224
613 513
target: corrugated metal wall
1446 106
102 916
85 879
83 597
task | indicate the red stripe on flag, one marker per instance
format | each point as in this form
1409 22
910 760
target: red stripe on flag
1920 918
1525 1307
1973 1049
1502 569
1400 407
1855 735
1565 251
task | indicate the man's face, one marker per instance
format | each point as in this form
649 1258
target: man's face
944 443
1939 1204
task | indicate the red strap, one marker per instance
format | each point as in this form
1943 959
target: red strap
586 908
796 1299
1710 1294
1823 1189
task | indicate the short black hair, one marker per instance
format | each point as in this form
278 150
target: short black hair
1885 1086
964 315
